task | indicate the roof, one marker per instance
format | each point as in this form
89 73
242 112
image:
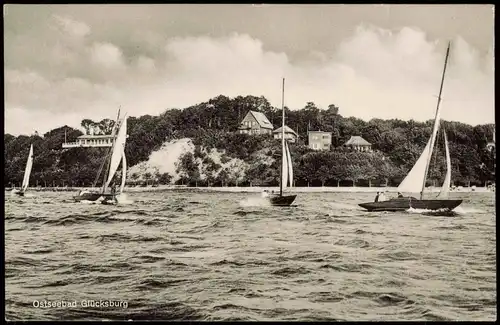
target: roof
261 119
287 130
323 132
356 140
87 136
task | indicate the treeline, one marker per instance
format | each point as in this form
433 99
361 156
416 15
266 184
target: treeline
212 124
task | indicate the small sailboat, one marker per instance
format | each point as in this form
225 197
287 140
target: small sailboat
286 173
416 179
27 173
116 155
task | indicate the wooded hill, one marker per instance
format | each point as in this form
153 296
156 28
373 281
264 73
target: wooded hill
213 124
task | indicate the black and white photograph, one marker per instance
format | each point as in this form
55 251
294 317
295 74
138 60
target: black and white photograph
249 162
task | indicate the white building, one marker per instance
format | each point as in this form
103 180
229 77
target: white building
86 141
290 134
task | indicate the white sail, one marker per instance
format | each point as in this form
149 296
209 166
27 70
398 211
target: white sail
445 189
431 148
412 183
290 166
124 171
27 170
118 148
284 166
415 181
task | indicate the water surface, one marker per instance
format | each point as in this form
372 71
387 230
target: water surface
226 256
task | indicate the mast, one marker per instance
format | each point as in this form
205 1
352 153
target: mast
283 153
433 137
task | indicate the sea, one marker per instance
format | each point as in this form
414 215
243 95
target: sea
181 255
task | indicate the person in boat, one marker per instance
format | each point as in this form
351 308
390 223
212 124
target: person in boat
113 189
376 197
400 195
82 192
382 197
113 192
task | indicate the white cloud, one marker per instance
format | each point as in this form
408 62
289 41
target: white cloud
107 55
72 27
23 121
374 73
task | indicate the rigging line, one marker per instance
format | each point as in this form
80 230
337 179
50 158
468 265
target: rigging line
100 169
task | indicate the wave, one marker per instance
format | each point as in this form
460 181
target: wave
255 201
438 213
201 256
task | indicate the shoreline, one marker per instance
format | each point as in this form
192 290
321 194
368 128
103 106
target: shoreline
236 189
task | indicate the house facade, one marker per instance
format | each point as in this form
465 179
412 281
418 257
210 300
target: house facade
359 144
255 123
319 140
290 134
87 141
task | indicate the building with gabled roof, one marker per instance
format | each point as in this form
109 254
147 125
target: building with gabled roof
255 123
356 142
290 134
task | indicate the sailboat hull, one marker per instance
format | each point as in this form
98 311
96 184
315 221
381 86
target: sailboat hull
283 200
20 193
92 196
402 204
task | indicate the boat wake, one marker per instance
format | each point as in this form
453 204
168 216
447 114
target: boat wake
467 210
15 191
123 199
98 201
343 206
440 212
255 201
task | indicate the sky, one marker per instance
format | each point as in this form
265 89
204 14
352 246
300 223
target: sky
64 63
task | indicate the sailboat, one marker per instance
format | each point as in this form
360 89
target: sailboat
116 155
286 172
27 173
416 179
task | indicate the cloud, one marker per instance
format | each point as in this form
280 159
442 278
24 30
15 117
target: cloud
373 73
19 120
145 64
107 55
72 27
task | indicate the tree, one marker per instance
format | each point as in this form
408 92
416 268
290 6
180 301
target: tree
106 126
323 174
308 168
211 125
165 178
147 176
333 109
255 173
354 173
188 168
87 124
134 177
223 177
